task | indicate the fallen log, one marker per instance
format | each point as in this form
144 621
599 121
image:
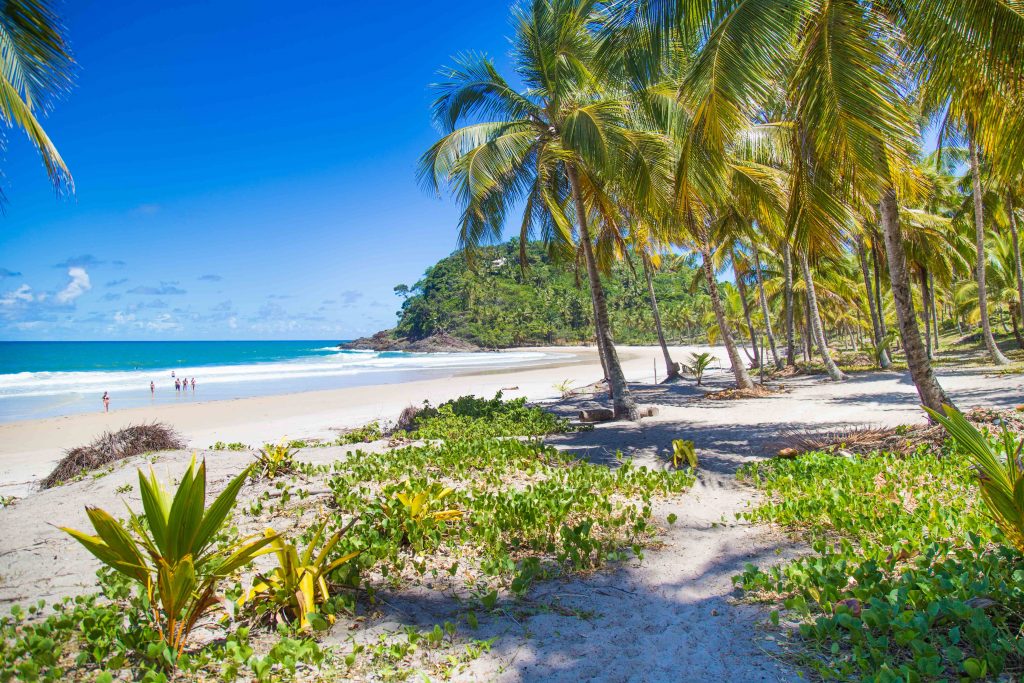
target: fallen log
596 415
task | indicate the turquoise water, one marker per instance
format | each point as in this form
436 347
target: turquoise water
96 356
45 379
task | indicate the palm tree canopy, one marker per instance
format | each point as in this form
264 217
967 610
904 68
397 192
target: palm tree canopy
35 70
503 148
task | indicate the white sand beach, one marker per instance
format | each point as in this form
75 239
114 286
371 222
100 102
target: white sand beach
29 449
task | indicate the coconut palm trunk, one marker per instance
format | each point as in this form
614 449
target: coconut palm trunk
935 312
1014 237
808 345
1016 327
742 287
834 373
876 327
739 370
765 312
928 388
671 369
787 267
878 291
599 343
994 353
925 311
623 405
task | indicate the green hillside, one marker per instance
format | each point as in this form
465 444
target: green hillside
497 304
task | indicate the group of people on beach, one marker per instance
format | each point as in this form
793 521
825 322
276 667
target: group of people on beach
180 384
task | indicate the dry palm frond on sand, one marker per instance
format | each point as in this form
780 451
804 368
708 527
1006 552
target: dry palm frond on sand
111 447
863 440
904 439
758 391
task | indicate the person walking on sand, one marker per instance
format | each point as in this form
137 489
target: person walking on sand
106 402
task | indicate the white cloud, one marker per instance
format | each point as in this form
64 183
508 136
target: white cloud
22 294
78 286
162 323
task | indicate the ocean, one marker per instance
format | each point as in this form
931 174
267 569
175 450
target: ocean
47 379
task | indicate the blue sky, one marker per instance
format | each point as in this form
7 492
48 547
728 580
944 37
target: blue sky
243 170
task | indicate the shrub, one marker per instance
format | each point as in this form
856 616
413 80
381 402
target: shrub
904 582
233 446
111 447
273 460
295 590
527 510
699 363
469 417
179 564
365 434
419 510
683 452
88 639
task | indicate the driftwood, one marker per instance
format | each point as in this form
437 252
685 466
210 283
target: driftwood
606 414
596 415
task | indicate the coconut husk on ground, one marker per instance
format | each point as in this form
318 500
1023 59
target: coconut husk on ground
111 447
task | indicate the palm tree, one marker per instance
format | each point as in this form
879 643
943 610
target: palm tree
697 215
765 311
741 273
739 368
787 267
671 367
847 91
35 69
565 147
979 231
1011 211
1002 278
881 353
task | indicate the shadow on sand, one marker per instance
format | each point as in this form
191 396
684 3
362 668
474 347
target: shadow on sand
672 616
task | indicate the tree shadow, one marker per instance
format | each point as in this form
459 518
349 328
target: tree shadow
672 616
617 625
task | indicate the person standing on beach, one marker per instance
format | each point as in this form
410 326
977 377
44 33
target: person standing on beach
106 402
177 385
152 389
193 384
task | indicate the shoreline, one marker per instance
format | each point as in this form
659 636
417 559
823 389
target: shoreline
35 394
30 448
